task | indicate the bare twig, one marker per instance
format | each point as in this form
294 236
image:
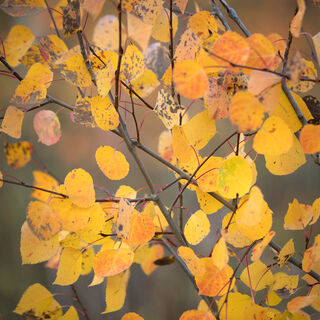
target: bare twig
52 19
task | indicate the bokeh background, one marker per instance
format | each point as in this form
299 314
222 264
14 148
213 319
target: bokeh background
166 293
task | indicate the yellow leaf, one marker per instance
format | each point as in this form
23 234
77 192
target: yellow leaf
310 138
220 254
315 210
18 154
44 222
145 84
112 261
273 299
197 227
132 64
69 267
199 130
43 180
208 203
187 46
286 163
147 257
104 113
203 24
39 302
105 78
168 111
260 277
79 188
181 146
259 247
116 291
284 283
190 79
33 88
1 177
235 176
34 250
274 138
71 314
285 253
75 71
250 212
18 41
214 282
12 122
246 111
112 163
124 218
298 216
161 26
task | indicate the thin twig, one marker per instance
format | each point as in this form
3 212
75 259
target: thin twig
52 19
79 301
219 14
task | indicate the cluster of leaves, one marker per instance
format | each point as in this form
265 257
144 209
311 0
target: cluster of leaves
248 80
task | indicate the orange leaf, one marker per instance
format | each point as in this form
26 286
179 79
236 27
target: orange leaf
246 111
298 303
131 316
190 79
259 247
110 262
197 315
214 282
112 163
203 24
231 48
296 22
310 138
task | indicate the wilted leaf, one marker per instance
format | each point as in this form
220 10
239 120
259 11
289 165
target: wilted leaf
18 154
71 17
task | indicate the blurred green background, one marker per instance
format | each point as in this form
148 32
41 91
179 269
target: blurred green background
167 292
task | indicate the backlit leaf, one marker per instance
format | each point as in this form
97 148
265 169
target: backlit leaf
168 111
44 222
145 84
190 79
12 122
47 126
146 256
33 250
203 24
18 154
19 8
132 64
310 138
191 260
33 88
18 41
235 176
246 111
214 282
75 71
286 163
110 262
87 259
112 163
43 180
79 188
259 247
160 30
196 315
257 276
199 130
298 216
131 316
220 254
104 113
187 46
69 267
231 47
207 203
38 302
274 138
197 227
116 291
285 253
181 146
300 302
